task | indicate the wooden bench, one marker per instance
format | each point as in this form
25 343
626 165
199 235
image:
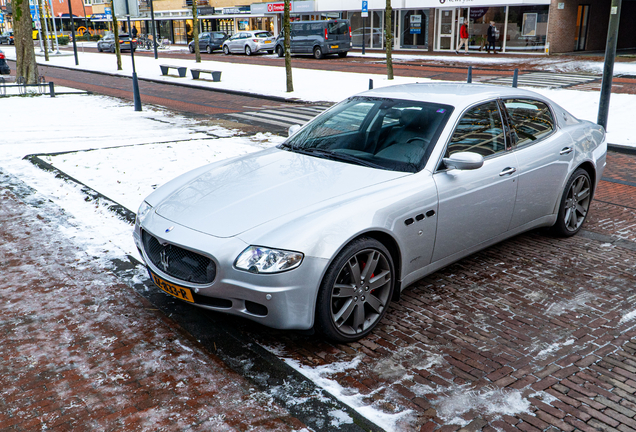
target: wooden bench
216 75
181 69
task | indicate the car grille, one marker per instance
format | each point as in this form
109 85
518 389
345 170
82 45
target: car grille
178 262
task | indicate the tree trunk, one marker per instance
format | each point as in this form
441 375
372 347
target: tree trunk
287 30
388 13
116 33
23 37
43 27
195 31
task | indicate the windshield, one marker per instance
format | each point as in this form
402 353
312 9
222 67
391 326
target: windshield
397 135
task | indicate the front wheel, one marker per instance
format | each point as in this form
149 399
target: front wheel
355 292
575 204
226 50
280 51
99 48
318 53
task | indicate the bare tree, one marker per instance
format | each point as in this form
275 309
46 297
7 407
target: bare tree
287 30
23 37
43 28
195 31
389 39
116 33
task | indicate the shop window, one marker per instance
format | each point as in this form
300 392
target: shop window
414 29
527 28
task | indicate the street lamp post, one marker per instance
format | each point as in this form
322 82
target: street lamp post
70 12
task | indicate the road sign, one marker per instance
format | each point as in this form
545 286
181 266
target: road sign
365 8
126 7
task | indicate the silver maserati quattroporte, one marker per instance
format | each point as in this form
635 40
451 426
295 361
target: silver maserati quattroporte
384 188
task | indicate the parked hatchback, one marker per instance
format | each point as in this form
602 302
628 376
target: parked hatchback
318 38
107 43
209 42
4 67
250 42
7 38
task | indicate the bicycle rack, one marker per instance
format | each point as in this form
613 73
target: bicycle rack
21 82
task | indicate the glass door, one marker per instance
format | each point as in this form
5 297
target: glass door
582 19
445 29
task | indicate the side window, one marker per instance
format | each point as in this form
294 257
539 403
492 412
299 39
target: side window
480 131
531 120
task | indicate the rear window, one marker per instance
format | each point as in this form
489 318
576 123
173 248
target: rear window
263 34
218 35
338 28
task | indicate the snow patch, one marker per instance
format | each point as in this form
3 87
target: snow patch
494 402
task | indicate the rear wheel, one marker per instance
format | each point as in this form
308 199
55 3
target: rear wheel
208 49
226 50
248 50
355 292
191 49
318 53
575 204
280 51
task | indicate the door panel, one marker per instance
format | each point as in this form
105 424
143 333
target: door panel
476 205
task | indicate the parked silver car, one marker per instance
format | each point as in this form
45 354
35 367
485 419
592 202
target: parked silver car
250 42
377 192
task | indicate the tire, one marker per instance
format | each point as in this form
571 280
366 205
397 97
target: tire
208 49
351 303
575 204
342 54
99 48
248 50
280 51
226 50
191 48
318 53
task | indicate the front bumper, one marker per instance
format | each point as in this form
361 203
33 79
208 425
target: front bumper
284 300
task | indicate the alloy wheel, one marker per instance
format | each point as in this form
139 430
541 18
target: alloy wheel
577 203
361 292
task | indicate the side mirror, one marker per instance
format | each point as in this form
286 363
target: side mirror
293 129
464 161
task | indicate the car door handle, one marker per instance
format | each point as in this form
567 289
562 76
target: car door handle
566 150
508 171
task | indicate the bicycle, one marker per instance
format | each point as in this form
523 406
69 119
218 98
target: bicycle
162 44
143 41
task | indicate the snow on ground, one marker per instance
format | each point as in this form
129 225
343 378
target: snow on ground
125 154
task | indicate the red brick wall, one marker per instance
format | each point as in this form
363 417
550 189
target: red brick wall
562 26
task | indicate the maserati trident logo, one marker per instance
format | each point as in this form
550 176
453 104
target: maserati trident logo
164 260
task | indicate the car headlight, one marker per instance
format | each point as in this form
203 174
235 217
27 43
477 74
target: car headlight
257 259
143 211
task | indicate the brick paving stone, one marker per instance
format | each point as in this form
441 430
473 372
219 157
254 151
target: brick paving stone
63 317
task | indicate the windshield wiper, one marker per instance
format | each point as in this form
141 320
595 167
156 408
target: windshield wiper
343 157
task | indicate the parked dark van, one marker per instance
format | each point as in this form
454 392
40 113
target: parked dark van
319 38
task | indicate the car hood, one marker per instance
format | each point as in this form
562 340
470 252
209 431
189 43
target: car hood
230 198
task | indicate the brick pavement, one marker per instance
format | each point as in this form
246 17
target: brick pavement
536 333
82 352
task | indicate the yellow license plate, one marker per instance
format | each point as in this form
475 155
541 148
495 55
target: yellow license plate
175 290
268 41
335 46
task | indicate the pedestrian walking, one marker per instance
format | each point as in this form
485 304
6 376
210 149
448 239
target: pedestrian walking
493 33
463 39
134 32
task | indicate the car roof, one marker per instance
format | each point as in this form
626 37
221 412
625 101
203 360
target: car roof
455 94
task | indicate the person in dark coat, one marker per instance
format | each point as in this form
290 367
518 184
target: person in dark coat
492 37
134 32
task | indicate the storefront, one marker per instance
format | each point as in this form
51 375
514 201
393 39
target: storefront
520 28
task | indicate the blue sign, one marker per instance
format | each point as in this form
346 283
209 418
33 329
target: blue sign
1 18
365 8
35 12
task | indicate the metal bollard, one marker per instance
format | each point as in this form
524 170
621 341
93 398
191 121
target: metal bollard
515 77
52 88
370 84
470 75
